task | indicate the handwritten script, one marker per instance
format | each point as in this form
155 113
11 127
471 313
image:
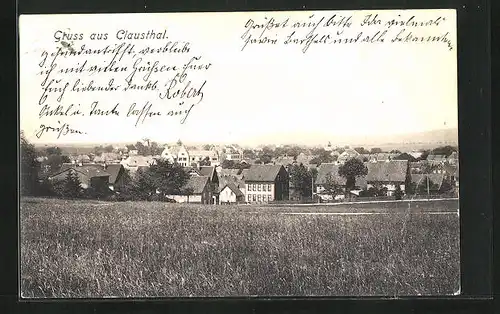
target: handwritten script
319 29
79 82
148 62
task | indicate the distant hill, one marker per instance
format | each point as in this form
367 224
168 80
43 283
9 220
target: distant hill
432 138
403 142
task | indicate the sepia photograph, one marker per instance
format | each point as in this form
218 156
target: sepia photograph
237 154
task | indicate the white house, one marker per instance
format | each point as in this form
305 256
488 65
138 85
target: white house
230 193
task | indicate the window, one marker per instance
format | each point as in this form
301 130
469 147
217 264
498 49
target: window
269 187
253 197
253 187
249 197
259 197
259 186
269 197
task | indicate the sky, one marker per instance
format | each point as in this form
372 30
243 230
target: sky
269 93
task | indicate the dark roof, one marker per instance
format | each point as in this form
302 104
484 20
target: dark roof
233 188
207 171
405 156
244 173
387 171
89 170
197 183
113 170
436 178
325 169
333 169
263 173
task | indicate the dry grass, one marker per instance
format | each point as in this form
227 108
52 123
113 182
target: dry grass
81 249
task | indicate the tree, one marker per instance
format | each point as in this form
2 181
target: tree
423 187
444 150
228 164
98 189
53 150
70 187
29 167
205 161
352 169
55 162
266 158
155 148
398 193
321 156
424 155
395 151
108 149
142 186
168 178
207 146
131 147
331 186
142 149
248 153
301 179
361 150
376 150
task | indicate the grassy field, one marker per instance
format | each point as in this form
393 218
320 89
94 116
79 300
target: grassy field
93 249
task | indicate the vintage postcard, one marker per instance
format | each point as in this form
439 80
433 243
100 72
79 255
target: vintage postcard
304 153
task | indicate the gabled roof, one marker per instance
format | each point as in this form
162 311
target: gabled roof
138 161
244 173
405 156
262 173
349 153
114 171
202 153
197 183
387 171
88 170
207 171
233 188
333 169
329 168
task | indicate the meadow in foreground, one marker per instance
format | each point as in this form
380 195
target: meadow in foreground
73 249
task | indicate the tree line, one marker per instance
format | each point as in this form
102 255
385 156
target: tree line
153 183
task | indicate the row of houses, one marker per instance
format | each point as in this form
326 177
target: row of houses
390 175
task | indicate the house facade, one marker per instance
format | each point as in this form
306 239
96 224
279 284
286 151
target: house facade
231 194
186 158
199 191
196 156
133 163
327 170
266 183
388 174
348 154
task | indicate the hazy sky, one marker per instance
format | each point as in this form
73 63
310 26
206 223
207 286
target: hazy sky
264 91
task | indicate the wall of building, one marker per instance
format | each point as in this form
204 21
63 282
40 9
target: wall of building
226 195
259 192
